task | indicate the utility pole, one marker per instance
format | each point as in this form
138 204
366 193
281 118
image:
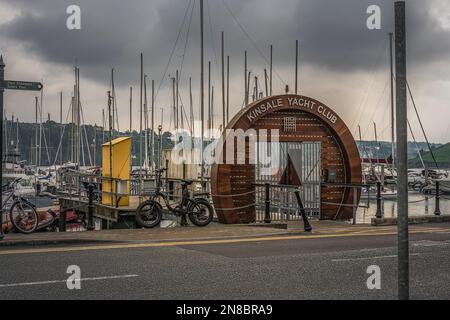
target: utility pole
402 150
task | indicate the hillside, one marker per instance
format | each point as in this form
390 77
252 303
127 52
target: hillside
52 132
372 149
441 153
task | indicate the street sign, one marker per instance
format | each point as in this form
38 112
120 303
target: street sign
21 85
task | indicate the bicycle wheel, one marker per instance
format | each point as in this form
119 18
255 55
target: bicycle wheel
24 217
200 212
149 214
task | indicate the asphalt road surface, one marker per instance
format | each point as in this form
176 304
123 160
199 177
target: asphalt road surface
324 267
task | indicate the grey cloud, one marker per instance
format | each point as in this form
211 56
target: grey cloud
332 33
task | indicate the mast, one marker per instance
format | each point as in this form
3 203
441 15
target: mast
113 101
62 126
223 82
145 123
78 119
110 146
256 88
103 126
265 82
392 100
271 67
245 79
72 126
296 66
178 104
17 137
95 145
37 133
212 112
40 131
202 88
140 112
191 109
174 104
228 91
153 124
209 98
131 111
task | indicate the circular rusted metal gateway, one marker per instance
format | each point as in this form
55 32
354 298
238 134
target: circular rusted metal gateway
294 119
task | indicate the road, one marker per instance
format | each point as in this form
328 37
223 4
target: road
275 267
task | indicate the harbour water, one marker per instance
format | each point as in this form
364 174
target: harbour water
419 205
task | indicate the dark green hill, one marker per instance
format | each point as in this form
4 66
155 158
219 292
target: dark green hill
52 131
441 153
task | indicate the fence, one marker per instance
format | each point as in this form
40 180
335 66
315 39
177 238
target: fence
276 202
74 184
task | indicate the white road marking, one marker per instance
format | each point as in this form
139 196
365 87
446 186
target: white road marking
370 258
23 284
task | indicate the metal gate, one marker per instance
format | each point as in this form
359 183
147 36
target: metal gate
283 203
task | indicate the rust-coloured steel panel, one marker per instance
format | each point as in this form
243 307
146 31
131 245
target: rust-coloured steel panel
232 184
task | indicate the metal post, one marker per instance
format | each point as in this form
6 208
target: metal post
63 221
91 226
2 77
402 150
437 210
355 204
267 217
307 226
379 214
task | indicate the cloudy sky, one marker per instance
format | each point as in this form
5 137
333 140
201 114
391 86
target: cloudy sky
343 64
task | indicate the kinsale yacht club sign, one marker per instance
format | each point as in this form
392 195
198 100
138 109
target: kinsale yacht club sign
300 102
292 120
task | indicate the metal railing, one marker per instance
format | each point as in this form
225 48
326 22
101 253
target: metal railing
275 202
74 184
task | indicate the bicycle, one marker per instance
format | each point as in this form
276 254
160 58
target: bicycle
199 210
22 213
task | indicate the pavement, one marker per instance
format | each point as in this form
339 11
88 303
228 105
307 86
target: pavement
214 231
228 262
